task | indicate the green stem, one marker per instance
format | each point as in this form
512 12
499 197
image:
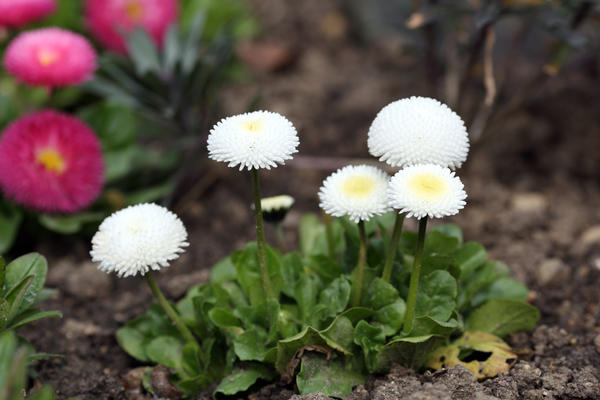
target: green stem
260 236
329 234
169 309
414 279
391 256
280 237
360 268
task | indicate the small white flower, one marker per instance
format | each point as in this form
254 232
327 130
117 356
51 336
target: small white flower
138 238
427 190
260 139
274 209
418 130
276 203
356 191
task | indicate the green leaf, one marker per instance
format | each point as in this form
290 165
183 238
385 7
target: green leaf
449 230
313 237
391 317
2 275
436 297
223 318
143 52
380 293
240 380
412 352
502 317
251 345
438 243
306 290
69 224
331 377
44 393
327 268
371 339
166 350
10 220
470 256
427 326
4 313
8 346
16 296
340 333
223 271
248 272
480 281
291 271
30 316
288 348
115 125
503 288
135 336
34 265
332 300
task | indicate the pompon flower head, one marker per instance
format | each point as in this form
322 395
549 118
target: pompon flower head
50 57
15 13
137 239
418 130
50 161
110 20
427 190
260 139
274 209
358 192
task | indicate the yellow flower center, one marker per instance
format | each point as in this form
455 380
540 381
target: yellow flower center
253 125
134 10
47 56
52 161
358 186
427 185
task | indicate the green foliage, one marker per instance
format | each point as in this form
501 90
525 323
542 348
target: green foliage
309 334
21 289
13 371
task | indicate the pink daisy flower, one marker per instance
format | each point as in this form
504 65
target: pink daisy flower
51 161
50 57
14 13
110 20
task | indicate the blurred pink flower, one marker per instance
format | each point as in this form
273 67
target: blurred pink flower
50 57
51 161
15 13
110 20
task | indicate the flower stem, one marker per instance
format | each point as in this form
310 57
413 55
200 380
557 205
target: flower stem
329 235
185 332
391 256
280 237
414 279
260 236
360 268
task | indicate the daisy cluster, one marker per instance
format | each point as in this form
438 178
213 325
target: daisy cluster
423 137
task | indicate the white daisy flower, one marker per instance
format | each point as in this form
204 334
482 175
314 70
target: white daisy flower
427 190
260 139
138 238
359 192
418 130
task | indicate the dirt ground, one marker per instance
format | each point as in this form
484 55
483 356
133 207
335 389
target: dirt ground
534 196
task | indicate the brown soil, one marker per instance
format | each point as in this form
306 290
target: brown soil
533 201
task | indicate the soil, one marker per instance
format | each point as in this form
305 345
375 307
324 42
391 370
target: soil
533 186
